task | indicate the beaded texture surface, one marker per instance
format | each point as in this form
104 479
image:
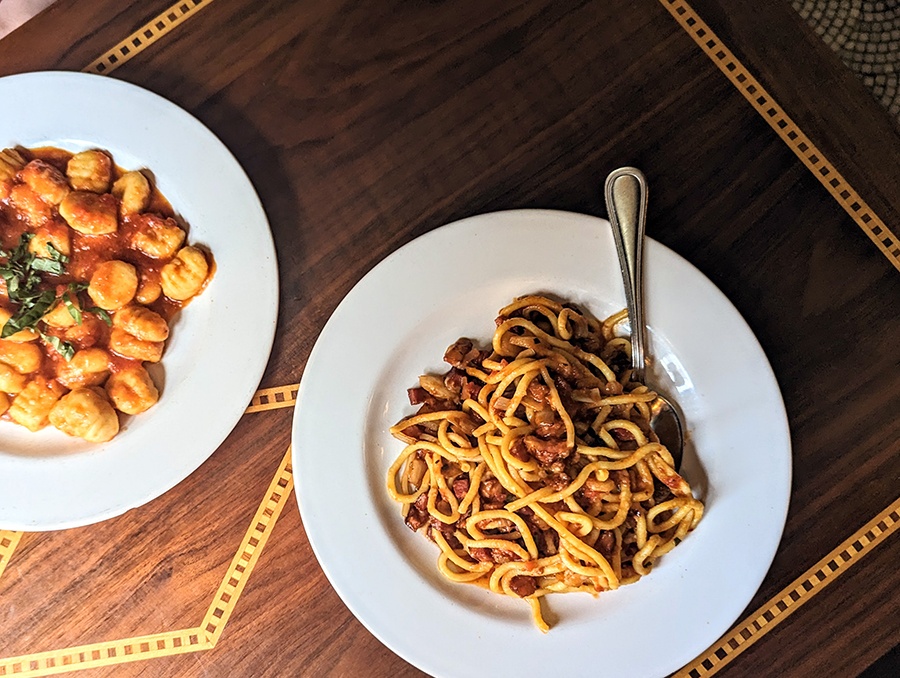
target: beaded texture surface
866 36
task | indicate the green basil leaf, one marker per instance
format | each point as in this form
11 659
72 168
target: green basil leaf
9 329
74 311
48 266
29 313
56 255
64 348
102 313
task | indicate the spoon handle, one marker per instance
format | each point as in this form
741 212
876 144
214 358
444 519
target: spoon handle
626 202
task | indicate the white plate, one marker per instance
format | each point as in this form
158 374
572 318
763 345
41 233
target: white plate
220 343
397 322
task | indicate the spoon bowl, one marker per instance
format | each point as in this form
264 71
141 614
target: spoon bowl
626 202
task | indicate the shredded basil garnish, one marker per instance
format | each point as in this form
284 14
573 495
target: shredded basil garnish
64 348
28 313
104 316
21 271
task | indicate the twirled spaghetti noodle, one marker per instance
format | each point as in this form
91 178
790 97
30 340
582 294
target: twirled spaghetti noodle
532 464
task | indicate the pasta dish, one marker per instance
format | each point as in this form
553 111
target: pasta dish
93 267
532 465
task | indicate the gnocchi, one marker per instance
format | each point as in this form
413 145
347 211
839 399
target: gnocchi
156 237
45 180
85 413
89 213
61 315
31 407
54 234
113 284
130 346
184 276
29 205
88 367
94 268
90 171
24 358
142 323
11 380
11 161
149 290
133 191
132 391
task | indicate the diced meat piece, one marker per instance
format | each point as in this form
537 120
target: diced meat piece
415 519
482 555
594 490
548 424
606 544
456 354
567 371
518 450
548 543
621 434
454 380
492 490
443 528
557 467
559 481
465 424
591 343
546 452
417 395
540 392
417 515
460 487
502 556
522 586
436 405
612 388
470 390
414 431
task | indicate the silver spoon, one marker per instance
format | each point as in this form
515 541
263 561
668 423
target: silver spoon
626 202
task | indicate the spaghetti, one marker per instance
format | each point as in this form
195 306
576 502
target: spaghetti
532 464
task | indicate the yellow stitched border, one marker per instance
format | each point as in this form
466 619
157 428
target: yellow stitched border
274 398
248 553
145 36
787 129
205 636
8 542
105 654
795 594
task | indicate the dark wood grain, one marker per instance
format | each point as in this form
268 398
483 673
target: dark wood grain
364 125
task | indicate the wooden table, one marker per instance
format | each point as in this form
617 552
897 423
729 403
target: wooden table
364 125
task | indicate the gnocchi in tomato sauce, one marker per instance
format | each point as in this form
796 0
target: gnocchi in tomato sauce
93 268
